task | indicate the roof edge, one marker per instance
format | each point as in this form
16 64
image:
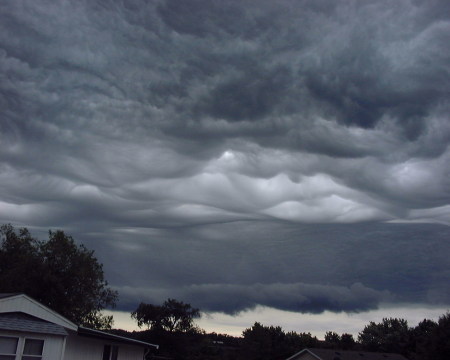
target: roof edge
83 331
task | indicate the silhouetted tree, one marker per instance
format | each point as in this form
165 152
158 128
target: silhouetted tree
149 315
58 273
297 341
332 340
336 341
440 339
420 339
172 316
263 342
347 341
271 342
391 335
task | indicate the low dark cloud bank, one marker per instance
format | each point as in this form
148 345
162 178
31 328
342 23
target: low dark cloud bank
306 268
296 297
292 154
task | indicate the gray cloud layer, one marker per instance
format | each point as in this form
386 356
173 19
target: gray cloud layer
291 297
121 121
234 266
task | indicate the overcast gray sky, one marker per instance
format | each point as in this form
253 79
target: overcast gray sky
291 155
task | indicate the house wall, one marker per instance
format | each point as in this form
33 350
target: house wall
127 352
85 348
53 344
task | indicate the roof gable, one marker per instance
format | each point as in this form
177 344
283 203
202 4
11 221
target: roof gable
23 303
304 352
329 354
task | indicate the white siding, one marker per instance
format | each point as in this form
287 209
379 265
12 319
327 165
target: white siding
78 347
53 344
129 352
23 303
85 348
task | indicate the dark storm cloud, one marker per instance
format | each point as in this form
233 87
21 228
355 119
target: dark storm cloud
216 66
307 268
250 96
233 299
131 123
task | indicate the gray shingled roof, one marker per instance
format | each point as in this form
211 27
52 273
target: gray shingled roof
328 354
16 321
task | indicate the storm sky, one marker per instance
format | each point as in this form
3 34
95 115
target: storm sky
236 155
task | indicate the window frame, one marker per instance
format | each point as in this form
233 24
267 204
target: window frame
17 345
37 357
20 347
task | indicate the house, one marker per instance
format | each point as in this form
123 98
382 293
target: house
31 331
328 354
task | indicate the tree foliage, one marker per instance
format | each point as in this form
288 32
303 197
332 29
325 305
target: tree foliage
347 342
263 342
271 342
391 335
440 339
421 338
332 339
171 316
58 273
335 341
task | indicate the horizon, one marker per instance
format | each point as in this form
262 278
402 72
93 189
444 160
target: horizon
300 323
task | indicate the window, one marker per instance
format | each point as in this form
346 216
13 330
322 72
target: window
32 349
12 348
110 352
8 348
114 352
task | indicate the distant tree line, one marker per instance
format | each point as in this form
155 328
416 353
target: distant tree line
429 340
